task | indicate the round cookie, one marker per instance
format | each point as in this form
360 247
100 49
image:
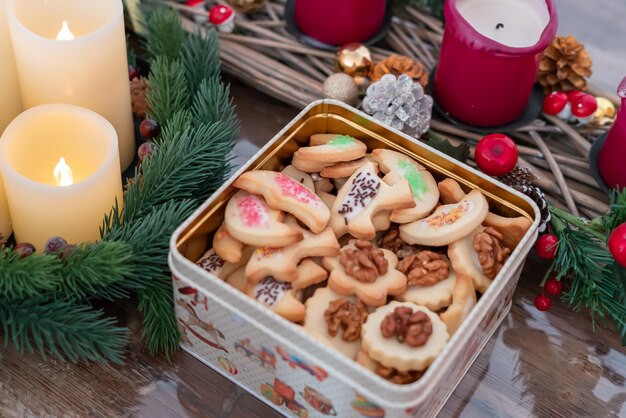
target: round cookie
390 352
315 323
398 166
448 223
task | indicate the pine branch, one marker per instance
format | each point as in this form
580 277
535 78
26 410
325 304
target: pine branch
179 168
168 89
212 103
165 34
159 327
30 276
201 58
66 330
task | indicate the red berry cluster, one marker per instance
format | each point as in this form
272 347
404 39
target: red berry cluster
546 247
552 287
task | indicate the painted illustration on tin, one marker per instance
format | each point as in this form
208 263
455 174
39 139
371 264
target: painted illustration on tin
296 362
366 408
318 401
227 365
281 394
264 355
204 331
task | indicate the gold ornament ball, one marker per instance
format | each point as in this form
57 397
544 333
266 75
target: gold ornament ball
606 108
354 59
341 87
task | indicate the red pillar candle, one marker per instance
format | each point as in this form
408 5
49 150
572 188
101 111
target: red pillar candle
490 56
611 160
339 22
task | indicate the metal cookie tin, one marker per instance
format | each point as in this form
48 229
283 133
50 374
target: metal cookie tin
276 360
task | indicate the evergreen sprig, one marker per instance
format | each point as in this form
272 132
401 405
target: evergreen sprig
62 328
44 298
597 283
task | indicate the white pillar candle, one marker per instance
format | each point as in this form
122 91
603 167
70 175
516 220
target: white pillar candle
61 170
514 23
82 62
10 105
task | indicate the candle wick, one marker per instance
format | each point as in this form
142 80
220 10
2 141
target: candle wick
499 26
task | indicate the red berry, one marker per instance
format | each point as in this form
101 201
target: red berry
496 154
543 303
553 287
546 246
133 72
54 245
145 150
149 128
24 249
617 244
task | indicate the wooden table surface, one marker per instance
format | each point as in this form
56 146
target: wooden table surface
537 364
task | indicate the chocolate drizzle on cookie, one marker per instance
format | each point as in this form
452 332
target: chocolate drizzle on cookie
212 263
270 291
364 189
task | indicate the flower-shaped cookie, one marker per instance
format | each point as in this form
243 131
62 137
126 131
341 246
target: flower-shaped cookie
430 279
336 319
404 336
365 271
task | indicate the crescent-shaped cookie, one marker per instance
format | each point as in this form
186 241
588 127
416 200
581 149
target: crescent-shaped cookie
338 148
448 223
463 301
281 192
250 220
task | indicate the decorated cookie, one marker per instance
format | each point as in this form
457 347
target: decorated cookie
346 169
448 223
299 176
281 192
404 336
389 373
362 197
336 318
227 247
365 271
463 300
398 166
512 229
250 220
337 149
430 279
214 264
280 297
282 263
309 273
480 256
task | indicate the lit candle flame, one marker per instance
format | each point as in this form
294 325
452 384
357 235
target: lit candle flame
63 173
65 34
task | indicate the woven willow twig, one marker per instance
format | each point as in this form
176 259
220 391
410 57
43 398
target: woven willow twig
264 55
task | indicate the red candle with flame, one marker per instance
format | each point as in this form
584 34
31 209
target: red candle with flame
611 160
339 22
490 56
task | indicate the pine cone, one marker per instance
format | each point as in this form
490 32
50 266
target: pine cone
565 65
138 92
246 6
537 195
398 65
519 176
